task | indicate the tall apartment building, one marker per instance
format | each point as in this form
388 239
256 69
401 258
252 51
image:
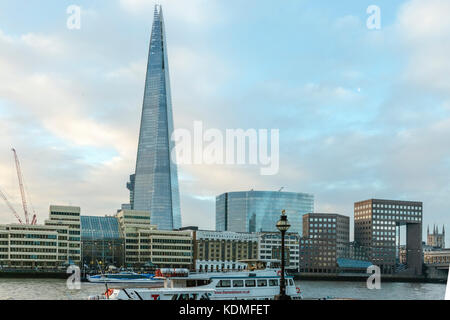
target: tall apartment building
269 249
145 245
214 251
325 238
376 228
70 237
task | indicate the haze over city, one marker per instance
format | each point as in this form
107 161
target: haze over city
362 113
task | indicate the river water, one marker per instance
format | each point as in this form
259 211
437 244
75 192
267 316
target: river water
55 289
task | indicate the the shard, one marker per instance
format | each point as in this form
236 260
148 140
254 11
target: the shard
154 185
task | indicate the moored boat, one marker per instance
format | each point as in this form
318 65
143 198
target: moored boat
251 284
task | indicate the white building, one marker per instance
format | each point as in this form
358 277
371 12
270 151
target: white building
269 249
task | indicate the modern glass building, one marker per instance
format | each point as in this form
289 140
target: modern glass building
154 185
101 241
259 211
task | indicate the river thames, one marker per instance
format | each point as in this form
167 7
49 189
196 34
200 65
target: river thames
56 289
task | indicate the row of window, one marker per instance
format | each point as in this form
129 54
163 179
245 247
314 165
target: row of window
252 283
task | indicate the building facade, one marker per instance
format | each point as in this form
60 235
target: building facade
436 239
154 185
146 245
259 211
377 225
269 249
67 216
326 237
102 242
217 251
33 247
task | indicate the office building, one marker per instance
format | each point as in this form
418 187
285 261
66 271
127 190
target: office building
102 243
146 246
217 251
69 217
259 211
377 227
326 237
269 249
154 185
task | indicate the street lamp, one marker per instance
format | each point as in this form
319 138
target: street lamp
282 225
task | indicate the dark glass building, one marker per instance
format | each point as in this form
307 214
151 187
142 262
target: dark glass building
154 185
101 241
259 211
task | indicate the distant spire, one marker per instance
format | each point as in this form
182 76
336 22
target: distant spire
443 229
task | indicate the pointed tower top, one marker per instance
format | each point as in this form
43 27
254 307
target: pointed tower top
443 229
428 230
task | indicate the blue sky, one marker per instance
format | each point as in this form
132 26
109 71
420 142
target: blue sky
362 113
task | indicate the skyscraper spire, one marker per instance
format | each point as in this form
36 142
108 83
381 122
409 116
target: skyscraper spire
154 186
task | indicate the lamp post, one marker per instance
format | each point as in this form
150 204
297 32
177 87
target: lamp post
282 225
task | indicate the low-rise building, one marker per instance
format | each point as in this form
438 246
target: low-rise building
145 245
269 249
218 251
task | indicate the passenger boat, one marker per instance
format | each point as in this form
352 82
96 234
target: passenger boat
129 278
255 283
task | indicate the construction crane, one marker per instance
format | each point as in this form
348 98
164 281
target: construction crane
281 189
2 195
22 190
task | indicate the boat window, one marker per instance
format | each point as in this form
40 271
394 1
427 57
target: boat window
262 283
273 283
238 283
250 283
224 284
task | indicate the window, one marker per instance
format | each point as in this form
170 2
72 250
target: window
262 283
250 283
224 284
273 282
238 283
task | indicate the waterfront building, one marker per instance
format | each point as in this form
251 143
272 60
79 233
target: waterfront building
436 239
269 249
154 185
102 242
259 211
37 247
68 216
377 226
217 251
325 238
145 245
437 257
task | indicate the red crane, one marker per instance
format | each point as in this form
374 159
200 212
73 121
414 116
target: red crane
2 195
22 190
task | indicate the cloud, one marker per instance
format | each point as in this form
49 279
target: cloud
424 29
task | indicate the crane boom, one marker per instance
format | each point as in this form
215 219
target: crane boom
2 195
22 191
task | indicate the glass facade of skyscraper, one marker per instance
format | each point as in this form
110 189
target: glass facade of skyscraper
259 211
154 186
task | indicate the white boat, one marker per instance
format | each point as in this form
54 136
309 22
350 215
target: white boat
251 284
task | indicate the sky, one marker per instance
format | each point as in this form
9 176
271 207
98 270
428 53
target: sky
362 113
